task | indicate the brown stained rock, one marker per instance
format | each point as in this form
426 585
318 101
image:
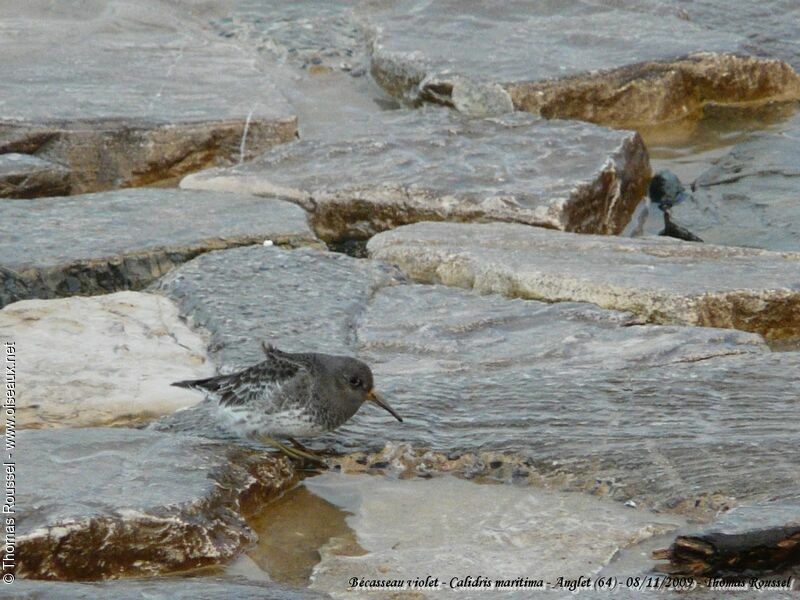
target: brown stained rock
625 64
25 176
640 95
106 503
68 246
661 280
127 94
131 152
434 165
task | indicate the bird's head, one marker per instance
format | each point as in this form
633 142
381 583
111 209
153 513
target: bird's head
353 383
666 190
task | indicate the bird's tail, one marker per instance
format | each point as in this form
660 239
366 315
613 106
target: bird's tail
209 384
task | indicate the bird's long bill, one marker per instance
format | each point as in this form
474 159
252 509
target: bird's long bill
374 397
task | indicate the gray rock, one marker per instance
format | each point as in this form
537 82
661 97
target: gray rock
626 63
99 243
135 346
25 176
659 279
99 503
748 198
166 588
127 93
411 166
301 300
678 418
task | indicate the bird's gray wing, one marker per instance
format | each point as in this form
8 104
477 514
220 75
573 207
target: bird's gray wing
282 377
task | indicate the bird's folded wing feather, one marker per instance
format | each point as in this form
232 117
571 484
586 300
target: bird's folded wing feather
279 380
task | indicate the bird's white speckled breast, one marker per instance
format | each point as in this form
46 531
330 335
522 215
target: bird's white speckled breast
245 422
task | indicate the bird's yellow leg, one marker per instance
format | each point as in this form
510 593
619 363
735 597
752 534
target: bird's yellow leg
295 453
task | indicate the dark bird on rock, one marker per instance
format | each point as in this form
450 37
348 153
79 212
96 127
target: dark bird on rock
291 395
672 229
666 190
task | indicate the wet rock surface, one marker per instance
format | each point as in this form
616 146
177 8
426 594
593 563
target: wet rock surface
100 243
315 36
769 29
135 343
494 531
660 280
535 386
26 176
670 404
433 165
302 300
749 198
185 99
626 64
100 503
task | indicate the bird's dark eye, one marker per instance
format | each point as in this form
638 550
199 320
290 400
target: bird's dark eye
355 381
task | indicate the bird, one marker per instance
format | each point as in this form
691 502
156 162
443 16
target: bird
672 229
666 190
290 395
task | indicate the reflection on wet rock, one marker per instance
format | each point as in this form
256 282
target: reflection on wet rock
292 529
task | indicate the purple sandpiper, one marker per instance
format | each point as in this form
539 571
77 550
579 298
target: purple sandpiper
291 395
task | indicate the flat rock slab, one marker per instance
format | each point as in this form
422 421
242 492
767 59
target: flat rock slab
749 198
163 588
100 243
622 63
99 503
185 99
134 344
691 438
303 300
447 528
680 418
26 176
584 398
661 280
434 165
